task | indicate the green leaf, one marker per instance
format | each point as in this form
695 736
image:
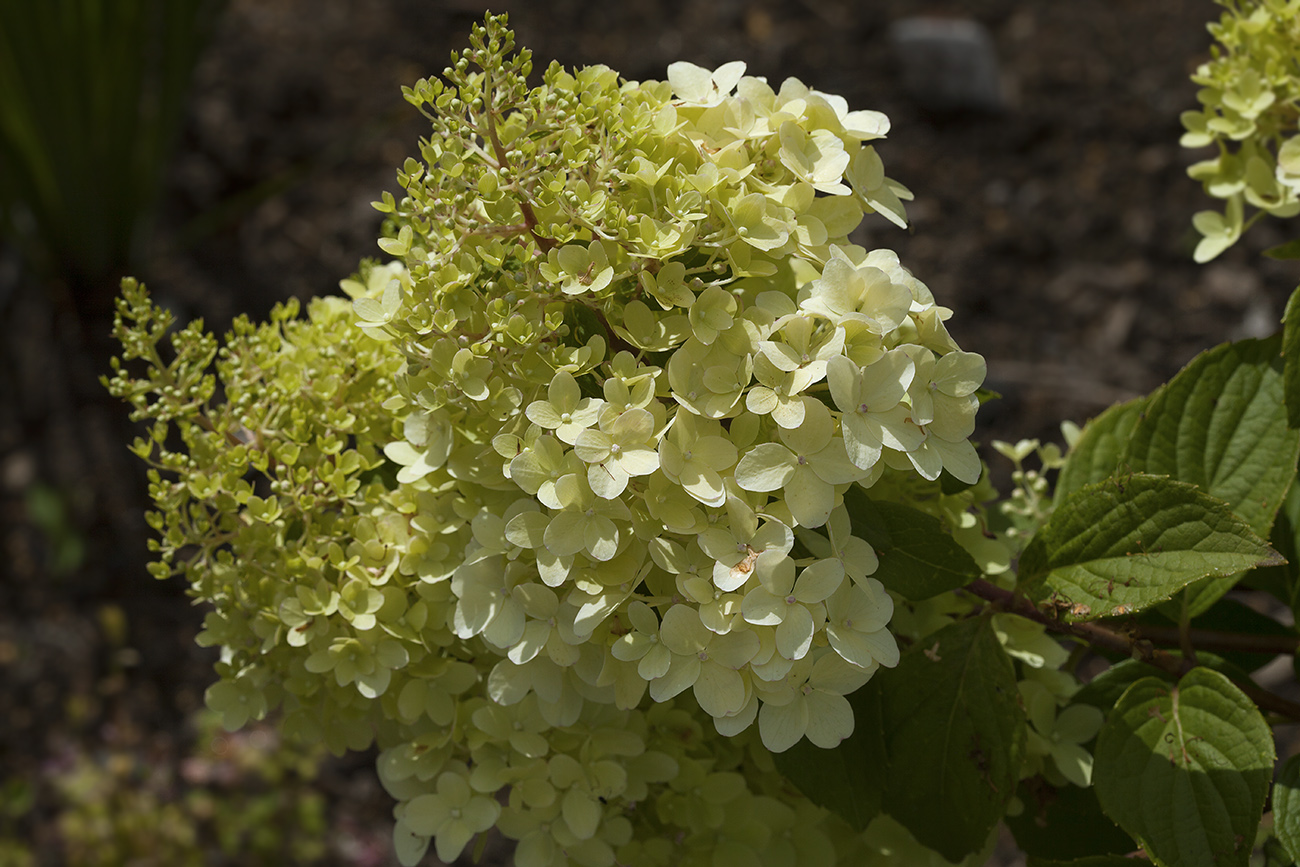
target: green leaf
1101 445
1286 807
918 558
1124 544
1282 580
1104 690
1091 861
1291 356
1185 769
1217 425
1289 250
849 779
1065 823
955 734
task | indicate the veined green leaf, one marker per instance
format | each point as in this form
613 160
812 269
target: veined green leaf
1185 769
955 733
1291 356
1286 807
1218 425
918 559
1065 823
1101 445
1126 543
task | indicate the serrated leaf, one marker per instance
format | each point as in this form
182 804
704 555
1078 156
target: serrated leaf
1185 769
1217 425
849 779
1291 356
1101 444
918 559
1286 807
1126 543
1283 580
1065 823
955 735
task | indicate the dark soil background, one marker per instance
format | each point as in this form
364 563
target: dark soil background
1058 229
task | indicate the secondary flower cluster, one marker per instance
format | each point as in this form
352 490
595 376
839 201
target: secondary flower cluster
583 441
1249 92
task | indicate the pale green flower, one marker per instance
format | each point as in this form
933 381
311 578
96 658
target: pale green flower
539 466
426 447
1060 735
856 615
806 466
810 701
486 603
646 330
793 607
865 297
452 816
1288 164
669 503
713 312
631 385
760 223
641 644
695 85
694 455
702 659
463 369
1028 641
936 454
623 447
579 270
369 664
942 392
1219 231
692 572
586 522
565 410
358 603
857 558
709 379
866 174
818 158
237 700
736 548
870 400
802 346
777 393
668 285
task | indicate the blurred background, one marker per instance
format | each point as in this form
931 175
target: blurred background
227 152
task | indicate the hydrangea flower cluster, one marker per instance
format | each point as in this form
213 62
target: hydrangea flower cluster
553 509
1249 90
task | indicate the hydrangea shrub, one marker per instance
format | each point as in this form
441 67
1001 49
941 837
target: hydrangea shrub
630 508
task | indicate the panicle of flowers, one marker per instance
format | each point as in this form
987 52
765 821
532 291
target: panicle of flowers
1249 90
586 458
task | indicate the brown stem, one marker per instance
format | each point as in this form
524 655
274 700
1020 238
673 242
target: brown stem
1218 641
525 207
1122 643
